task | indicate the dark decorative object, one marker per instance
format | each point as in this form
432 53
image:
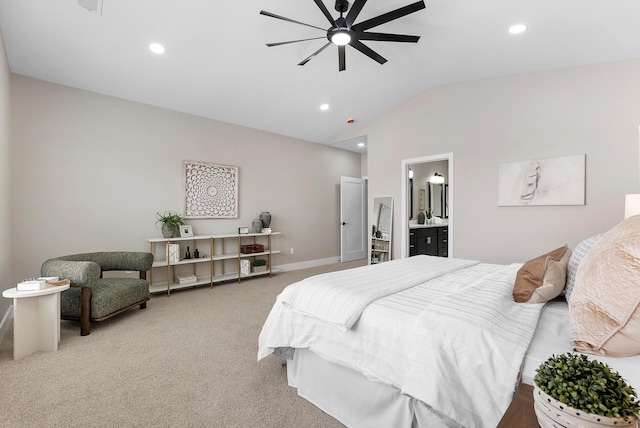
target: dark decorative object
256 225
196 254
188 254
251 248
265 216
373 230
421 217
378 234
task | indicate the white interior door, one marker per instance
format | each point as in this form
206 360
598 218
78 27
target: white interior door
353 219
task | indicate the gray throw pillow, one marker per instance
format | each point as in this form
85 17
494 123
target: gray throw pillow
576 257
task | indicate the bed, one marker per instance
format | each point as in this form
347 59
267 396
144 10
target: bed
417 342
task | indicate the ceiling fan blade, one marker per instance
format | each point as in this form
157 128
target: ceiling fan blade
389 16
324 10
293 41
354 12
310 57
384 37
273 15
367 51
342 66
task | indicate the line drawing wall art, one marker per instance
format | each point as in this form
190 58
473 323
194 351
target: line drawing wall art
210 190
552 181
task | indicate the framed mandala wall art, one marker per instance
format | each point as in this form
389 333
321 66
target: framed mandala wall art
210 190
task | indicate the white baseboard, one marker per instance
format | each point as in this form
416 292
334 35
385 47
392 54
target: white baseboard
6 321
308 264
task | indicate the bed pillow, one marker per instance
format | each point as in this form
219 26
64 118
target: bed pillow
576 257
542 279
605 303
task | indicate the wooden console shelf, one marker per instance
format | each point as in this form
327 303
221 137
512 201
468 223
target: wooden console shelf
221 251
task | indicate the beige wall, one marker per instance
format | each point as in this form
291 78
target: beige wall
5 225
89 173
592 110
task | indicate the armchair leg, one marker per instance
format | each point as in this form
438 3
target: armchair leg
85 311
143 305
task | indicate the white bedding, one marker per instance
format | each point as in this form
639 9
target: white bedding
468 348
379 343
340 297
554 336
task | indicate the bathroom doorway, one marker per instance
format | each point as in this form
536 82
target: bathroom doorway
427 182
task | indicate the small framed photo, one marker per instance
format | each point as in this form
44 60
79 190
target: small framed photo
186 231
243 230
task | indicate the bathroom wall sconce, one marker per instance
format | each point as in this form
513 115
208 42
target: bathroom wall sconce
436 179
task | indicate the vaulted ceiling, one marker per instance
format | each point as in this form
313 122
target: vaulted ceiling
217 64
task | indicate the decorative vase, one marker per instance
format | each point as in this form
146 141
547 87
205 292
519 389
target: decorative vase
553 413
168 232
256 225
265 216
429 221
421 217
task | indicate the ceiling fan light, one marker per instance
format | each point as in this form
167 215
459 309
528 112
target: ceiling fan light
340 37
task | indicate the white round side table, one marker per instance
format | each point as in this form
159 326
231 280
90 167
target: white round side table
36 320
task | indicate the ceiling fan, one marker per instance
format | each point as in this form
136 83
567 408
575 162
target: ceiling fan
344 32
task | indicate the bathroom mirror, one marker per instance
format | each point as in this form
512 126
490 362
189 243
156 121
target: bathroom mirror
382 223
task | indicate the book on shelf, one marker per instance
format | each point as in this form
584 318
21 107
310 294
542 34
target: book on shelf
245 267
173 251
186 279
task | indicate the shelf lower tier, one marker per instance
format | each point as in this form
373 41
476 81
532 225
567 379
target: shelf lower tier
215 258
205 281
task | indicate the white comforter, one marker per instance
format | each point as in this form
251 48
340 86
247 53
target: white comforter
478 336
340 297
468 348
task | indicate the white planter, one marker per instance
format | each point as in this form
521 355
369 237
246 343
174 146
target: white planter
259 269
552 413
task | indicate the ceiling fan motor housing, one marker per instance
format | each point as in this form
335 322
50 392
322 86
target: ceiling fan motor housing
342 6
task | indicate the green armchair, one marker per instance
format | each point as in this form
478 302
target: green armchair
94 298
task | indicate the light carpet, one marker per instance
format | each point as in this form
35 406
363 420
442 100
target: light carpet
188 360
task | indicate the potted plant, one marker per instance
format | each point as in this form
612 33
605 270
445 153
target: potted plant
259 265
170 223
429 215
571 390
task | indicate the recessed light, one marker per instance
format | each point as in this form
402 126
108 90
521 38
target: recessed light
360 144
156 48
324 107
517 28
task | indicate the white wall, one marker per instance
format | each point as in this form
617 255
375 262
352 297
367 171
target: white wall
592 110
89 173
5 218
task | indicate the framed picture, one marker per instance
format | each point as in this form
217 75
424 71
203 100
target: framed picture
210 190
243 230
186 231
552 181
